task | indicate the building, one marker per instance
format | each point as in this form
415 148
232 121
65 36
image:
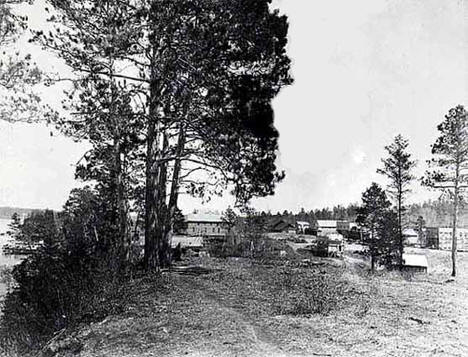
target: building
282 226
445 239
410 237
326 227
343 226
194 243
416 263
432 237
205 225
302 226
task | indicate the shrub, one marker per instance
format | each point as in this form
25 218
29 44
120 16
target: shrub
309 293
75 277
56 290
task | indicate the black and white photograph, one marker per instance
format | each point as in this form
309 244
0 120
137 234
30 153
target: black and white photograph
234 178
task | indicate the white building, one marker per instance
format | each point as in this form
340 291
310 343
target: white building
326 227
445 239
205 224
302 226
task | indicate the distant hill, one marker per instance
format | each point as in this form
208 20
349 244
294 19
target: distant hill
7 212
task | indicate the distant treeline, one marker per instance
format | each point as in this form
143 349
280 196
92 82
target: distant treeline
339 212
436 213
7 212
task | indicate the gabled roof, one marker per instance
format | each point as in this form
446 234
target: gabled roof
322 223
410 232
281 224
204 218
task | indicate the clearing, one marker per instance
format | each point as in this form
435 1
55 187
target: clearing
245 307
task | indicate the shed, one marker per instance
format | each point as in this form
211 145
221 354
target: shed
415 263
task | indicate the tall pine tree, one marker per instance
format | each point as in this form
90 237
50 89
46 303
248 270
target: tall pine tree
397 168
448 169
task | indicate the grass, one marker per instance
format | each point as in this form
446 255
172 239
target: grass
278 307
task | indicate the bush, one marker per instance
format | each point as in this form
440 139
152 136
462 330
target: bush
55 291
75 277
306 294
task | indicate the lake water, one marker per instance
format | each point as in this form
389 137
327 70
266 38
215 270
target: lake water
5 260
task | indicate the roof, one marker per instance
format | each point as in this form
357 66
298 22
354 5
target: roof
410 232
415 260
282 225
204 217
326 223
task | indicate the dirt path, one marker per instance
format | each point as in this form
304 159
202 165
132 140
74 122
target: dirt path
200 317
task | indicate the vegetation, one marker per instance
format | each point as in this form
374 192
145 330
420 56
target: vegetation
73 277
397 168
18 75
449 164
196 117
376 220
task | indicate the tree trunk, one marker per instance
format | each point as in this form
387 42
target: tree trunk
123 243
400 229
454 228
152 192
162 237
372 248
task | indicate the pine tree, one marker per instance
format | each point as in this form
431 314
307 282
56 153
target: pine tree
14 227
448 169
18 75
397 167
201 76
372 215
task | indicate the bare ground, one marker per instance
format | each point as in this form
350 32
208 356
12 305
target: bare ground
240 310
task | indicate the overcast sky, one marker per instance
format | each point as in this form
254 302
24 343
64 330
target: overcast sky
364 71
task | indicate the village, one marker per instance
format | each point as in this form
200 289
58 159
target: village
322 237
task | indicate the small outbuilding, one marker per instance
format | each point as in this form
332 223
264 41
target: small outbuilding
416 263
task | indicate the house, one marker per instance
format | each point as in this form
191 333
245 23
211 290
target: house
325 227
445 239
205 224
282 226
410 237
343 226
302 226
416 263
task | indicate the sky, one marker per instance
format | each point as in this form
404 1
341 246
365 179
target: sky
364 71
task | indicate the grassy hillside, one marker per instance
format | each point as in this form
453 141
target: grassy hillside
286 308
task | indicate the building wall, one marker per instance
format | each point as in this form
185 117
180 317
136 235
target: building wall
445 239
206 229
342 225
432 237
